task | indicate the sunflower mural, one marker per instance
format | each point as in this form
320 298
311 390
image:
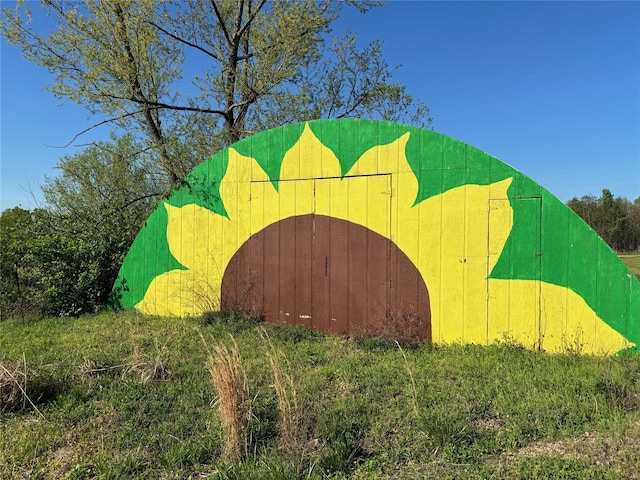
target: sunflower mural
354 226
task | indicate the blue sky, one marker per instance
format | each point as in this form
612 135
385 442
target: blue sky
551 88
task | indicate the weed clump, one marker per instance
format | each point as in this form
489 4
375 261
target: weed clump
13 384
399 325
230 381
150 367
231 321
292 437
13 387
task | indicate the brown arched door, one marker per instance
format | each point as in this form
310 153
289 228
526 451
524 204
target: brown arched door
330 274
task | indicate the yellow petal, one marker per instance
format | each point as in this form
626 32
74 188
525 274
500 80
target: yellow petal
449 247
550 317
194 234
180 293
309 158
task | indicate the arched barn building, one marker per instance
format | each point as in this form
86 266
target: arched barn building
356 226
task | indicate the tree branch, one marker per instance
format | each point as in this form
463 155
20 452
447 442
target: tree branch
238 24
138 199
134 77
95 126
164 106
251 18
186 42
221 21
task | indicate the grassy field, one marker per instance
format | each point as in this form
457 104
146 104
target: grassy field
120 395
632 262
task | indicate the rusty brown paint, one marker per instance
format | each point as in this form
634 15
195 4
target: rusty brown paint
330 275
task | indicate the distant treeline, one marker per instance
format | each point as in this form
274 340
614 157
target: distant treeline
616 220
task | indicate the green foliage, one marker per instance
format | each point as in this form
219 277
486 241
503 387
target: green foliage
63 260
482 412
254 65
616 220
97 203
19 279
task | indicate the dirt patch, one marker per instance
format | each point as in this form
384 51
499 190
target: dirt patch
601 449
487 424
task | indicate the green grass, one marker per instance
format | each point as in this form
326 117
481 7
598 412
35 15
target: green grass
122 395
632 262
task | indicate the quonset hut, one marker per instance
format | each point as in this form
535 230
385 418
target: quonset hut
368 227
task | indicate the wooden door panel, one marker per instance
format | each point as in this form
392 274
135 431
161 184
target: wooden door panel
331 274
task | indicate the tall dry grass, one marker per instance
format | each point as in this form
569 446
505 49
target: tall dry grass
291 433
230 381
414 391
150 367
13 387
